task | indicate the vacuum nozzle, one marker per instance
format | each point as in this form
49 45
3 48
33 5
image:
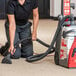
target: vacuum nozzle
7 60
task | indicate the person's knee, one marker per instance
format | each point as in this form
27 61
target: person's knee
17 54
27 51
15 57
27 54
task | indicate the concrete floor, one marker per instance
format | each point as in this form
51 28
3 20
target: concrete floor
44 67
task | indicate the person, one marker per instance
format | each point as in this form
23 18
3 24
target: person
17 26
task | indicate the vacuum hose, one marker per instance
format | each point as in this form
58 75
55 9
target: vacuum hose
7 58
41 56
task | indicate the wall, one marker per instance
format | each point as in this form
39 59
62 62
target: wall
55 7
74 11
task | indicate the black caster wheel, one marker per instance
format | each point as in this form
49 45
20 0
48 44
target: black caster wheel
56 58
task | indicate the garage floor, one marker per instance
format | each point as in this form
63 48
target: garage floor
44 67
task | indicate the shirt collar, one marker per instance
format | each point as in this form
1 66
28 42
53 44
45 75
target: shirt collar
19 3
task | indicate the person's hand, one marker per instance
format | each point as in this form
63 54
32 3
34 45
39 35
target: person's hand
34 36
11 49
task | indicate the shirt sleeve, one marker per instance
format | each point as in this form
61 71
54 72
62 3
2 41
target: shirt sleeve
35 4
10 8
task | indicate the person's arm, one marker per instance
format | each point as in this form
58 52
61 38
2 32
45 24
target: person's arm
12 28
35 23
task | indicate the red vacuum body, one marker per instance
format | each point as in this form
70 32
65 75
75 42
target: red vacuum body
67 53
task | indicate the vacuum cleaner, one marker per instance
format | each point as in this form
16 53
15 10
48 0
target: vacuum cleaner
63 43
65 52
7 59
64 39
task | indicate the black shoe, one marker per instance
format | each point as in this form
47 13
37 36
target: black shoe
4 49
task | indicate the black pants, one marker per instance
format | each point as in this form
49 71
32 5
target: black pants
22 31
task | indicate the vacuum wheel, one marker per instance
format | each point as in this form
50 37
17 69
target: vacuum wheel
56 58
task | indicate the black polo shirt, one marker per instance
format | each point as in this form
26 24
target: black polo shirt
21 12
